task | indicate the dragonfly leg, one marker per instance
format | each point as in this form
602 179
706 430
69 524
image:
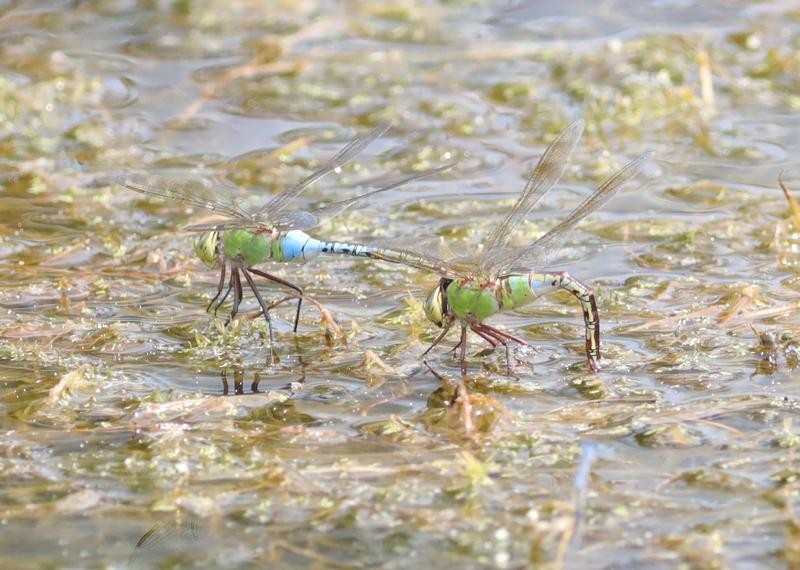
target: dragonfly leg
493 336
439 377
491 333
591 317
237 293
262 304
475 326
501 334
285 284
219 287
440 337
225 296
503 338
463 343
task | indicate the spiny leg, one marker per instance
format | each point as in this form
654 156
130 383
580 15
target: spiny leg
225 296
490 335
491 340
237 293
490 332
285 284
238 283
463 345
219 287
498 334
445 329
439 377
262 304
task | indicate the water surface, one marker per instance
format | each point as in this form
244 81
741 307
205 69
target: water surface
137 430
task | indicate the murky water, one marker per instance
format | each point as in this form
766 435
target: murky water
138 431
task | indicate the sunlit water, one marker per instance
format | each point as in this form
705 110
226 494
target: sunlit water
131 417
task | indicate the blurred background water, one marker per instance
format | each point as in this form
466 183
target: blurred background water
138 431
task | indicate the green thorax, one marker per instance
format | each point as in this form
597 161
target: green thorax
253 248
469 298
482 300
205 247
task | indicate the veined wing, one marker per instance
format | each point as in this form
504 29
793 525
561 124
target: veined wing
181 191
522 259
279 203
296 220
303 220
171 189
547 172
332 210
414 257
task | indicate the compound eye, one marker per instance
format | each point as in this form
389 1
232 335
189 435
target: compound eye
206 248
433 307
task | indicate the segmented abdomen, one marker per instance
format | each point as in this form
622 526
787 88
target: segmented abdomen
516 290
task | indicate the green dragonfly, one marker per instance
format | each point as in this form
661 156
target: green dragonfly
247 237
472 289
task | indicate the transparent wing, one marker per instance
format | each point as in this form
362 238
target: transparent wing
332 210
279 203
430 254
270 215
415 256
541 250
547 172
186 191
302 220
297 220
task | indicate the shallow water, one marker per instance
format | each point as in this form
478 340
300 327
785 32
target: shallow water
138 431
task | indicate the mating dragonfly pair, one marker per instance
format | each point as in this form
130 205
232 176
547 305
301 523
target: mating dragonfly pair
470 289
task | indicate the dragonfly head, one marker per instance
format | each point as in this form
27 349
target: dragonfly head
436 307
205 247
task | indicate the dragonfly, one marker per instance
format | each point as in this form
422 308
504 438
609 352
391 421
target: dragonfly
501 277
247 237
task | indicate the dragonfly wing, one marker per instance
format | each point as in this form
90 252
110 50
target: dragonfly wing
280 202
415 258
297 220
415 252
333 210
187 191
224 225
542 250
547 172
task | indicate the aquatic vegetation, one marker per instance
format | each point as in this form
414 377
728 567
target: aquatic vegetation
133 422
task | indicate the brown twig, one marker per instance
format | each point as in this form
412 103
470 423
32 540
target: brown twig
326 315
792 202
